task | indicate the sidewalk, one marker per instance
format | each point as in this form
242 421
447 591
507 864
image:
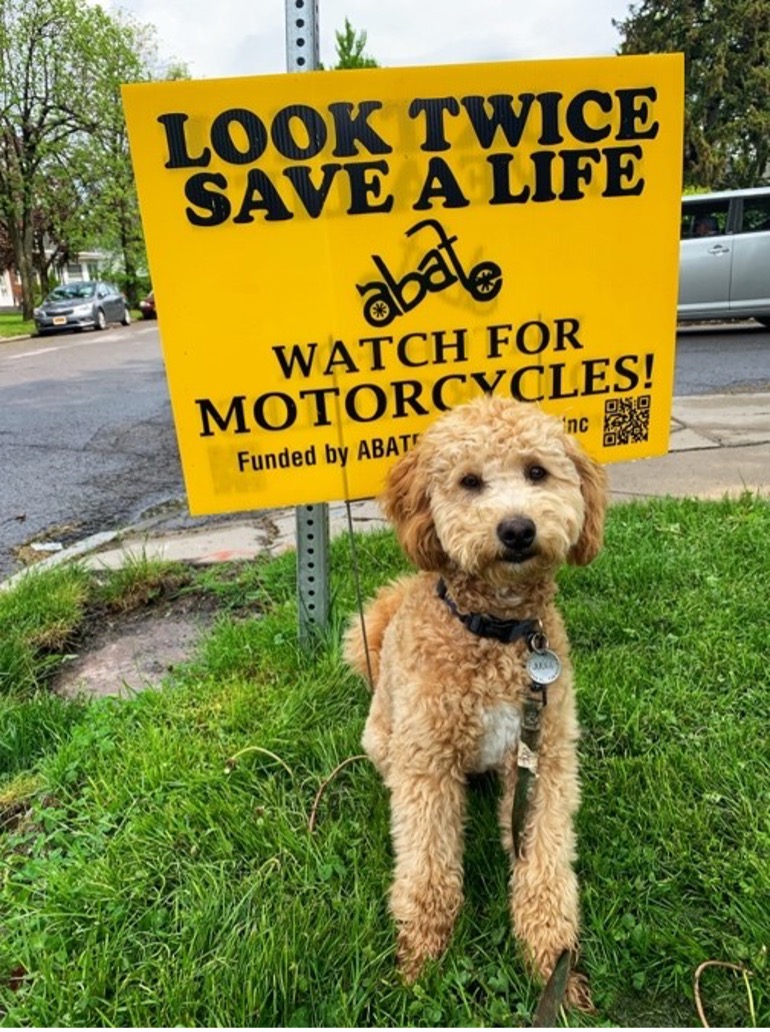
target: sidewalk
720 444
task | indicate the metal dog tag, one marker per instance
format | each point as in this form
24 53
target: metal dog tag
543 667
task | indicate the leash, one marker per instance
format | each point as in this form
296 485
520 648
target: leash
543 667
547 1009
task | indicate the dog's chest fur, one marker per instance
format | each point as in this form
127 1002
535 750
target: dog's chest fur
500 728
496 725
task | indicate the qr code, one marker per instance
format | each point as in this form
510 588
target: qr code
626 420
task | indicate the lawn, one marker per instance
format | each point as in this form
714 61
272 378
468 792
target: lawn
14 326
157 864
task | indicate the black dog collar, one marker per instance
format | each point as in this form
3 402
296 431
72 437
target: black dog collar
485 626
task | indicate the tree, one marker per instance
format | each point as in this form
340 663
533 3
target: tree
726 44
65 175
23 133
55 222
6 249
350 49
116 208
115 220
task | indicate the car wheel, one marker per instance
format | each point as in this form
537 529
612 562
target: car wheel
126 320
100 323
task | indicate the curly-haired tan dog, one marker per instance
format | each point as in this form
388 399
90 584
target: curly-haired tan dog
490 502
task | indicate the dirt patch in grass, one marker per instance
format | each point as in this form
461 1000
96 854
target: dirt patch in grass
125 653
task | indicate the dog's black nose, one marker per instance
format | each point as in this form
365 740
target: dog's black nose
517 533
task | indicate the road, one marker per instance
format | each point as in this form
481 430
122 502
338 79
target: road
722 360
87 441
86 436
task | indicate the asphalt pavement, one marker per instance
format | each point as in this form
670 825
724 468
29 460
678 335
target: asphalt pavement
719 445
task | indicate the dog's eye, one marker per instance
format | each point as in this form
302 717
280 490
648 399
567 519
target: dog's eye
536 473
471 482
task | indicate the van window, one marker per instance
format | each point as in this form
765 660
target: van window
756 214
704 218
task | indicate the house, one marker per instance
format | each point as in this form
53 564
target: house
9 291
84 267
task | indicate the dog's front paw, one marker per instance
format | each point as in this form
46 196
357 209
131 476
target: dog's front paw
415 949
425 913
409 966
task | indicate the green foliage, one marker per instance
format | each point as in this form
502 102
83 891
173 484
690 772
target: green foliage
350 49
147 881
726 44
65 174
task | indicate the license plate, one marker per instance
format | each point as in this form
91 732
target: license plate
60 320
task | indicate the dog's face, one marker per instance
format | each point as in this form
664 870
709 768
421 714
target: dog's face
497 489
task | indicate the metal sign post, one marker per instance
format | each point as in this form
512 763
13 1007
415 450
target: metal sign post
312 521
302 46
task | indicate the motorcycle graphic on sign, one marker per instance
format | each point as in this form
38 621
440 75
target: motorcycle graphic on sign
439 268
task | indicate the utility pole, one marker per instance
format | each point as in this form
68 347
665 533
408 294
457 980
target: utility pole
312 521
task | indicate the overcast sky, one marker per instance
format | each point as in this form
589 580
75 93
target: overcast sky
247 37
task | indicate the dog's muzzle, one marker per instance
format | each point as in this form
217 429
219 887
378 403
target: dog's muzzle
517 535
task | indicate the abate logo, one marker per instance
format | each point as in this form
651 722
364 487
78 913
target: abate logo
439 268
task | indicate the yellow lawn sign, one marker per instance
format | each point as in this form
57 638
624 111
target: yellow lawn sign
339 257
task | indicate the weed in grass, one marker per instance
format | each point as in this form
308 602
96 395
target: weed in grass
15 802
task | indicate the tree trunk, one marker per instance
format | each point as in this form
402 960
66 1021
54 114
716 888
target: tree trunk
41 271
21 242
27 273
128 242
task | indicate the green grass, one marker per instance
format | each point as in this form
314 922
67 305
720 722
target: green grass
14 326
148 881
139 582
37 619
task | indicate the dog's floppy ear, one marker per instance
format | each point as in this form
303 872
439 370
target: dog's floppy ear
406 503
593 487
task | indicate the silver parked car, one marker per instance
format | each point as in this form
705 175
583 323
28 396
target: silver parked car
90 304
724 256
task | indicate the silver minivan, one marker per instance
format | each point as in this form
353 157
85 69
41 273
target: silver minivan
724 256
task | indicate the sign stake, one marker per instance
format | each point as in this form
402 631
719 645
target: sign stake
312 521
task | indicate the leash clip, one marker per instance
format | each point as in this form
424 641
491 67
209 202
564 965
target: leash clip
541 690
543 665
537 641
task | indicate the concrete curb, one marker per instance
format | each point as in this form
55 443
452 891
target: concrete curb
21 336
268 533
84 547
